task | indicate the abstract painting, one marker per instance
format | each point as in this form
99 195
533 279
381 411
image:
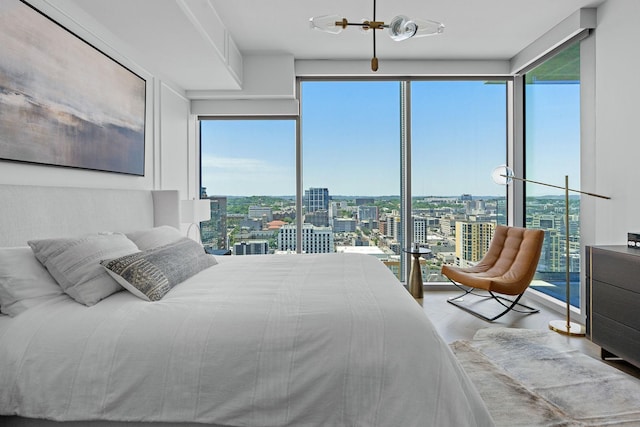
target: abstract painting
62 101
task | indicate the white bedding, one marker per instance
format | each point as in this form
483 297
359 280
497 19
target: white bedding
274 340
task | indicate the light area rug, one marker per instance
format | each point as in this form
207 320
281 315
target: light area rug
535 378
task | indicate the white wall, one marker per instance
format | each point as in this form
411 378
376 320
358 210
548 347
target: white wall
611 166
609 162
173 153
167 120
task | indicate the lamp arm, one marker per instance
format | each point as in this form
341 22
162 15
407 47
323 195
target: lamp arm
505 172
555 186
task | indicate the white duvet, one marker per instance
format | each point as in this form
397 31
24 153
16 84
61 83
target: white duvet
274 340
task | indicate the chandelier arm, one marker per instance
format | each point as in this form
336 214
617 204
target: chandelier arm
374 59
555 186
328 23
367 25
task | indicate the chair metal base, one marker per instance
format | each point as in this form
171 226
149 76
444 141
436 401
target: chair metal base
511 304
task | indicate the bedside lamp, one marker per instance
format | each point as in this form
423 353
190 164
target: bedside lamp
193 212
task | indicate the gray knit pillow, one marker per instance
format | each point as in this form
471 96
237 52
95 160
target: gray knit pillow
152 273
75 263
154 237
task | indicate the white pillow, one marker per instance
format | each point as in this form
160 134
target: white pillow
155 237
75 263
24 282
151 274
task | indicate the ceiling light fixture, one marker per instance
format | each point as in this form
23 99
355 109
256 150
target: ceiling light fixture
400 28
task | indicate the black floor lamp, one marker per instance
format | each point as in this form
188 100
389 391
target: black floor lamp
504 175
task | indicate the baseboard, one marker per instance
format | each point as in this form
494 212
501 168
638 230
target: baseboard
531 295
555 305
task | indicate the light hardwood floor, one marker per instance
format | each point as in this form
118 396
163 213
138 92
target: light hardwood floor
454 324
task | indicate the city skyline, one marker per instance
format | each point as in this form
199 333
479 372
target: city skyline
244 228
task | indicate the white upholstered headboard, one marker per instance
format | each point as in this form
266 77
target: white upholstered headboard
38 212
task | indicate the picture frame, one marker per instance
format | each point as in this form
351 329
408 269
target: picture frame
63 102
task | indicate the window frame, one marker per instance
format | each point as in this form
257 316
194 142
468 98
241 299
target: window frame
519 149
404 156
257 117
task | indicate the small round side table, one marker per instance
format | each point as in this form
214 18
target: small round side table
415 277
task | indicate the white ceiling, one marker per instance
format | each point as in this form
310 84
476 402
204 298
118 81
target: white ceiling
187 51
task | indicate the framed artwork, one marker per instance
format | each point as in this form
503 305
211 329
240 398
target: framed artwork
62 101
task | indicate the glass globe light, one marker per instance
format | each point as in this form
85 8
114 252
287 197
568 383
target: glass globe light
427 27
327 23
401 28
502 175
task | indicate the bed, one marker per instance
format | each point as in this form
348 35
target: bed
270 340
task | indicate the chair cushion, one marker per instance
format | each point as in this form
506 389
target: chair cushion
474 280
508 266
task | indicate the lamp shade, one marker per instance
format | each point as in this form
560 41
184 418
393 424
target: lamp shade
502 175
195 211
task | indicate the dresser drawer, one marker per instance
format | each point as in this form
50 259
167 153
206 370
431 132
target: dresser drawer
617 268
613 300
615 303
616 338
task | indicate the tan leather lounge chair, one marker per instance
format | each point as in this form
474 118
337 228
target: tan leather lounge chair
507 268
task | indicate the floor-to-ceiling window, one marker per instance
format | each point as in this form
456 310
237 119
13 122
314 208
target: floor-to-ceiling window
248 171
458 137
354 131
350 133
353 135
552 151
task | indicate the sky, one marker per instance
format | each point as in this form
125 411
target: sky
351 141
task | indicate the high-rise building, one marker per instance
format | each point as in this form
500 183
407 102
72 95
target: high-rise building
382 226
252 223
319 218
472 241
253 247
316 199
214 232
544 222
393 227
447 226
420 229
315 240
370 224
360 201
344 225
474 207
262 212
553 255
335 207
367 212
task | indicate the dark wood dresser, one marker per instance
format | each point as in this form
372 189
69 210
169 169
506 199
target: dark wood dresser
613 301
